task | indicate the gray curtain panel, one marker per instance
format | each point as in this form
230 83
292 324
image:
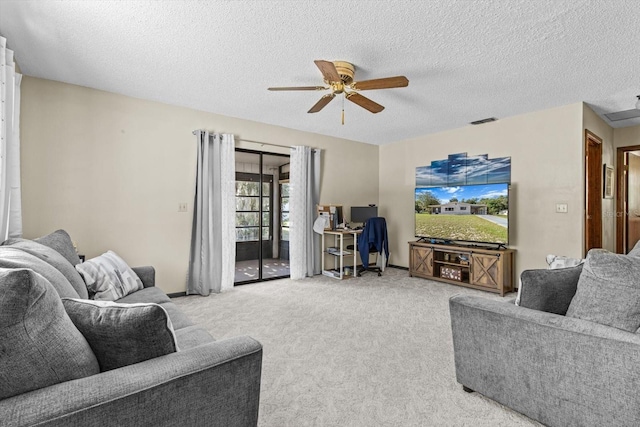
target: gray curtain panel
305 195
10 192
212 257
314 253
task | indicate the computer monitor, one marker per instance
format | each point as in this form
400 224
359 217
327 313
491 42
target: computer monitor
361 214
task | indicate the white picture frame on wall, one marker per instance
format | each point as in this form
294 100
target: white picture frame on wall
607 183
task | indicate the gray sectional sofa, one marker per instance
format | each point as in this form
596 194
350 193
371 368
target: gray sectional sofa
205 383
569 355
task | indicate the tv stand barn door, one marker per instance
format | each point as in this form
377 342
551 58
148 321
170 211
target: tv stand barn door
421 262
474 267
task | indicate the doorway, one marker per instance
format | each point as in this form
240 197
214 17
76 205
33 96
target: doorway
593 191
262 251
627 198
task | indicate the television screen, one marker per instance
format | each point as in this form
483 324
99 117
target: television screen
469 213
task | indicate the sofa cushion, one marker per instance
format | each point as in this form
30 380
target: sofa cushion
39 345
178 318
122 334
108 277
192 336
11 257
608 291
152 294
61 242
53 258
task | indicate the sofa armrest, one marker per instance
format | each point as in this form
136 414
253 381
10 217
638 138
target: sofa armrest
549 290
555 369
147 274
216 384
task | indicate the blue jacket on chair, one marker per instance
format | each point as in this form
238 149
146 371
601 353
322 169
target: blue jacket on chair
373 239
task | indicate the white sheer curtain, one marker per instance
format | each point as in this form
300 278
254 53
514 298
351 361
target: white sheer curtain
213 236
10 194
304 195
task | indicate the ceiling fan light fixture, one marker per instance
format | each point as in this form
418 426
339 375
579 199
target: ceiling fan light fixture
338 76
346 70
638 103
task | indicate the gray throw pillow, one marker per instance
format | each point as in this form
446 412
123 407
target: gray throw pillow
608 291
108 277
39 345
549 290
122 334
53 258
11 257
61 242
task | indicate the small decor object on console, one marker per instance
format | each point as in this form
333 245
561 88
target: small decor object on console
450 272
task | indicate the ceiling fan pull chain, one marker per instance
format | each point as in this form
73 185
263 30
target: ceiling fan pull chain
343 110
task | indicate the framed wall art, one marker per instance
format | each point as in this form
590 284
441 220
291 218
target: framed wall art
607 182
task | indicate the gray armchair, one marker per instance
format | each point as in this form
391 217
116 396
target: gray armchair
559 370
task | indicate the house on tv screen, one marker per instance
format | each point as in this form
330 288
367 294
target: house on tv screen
458 208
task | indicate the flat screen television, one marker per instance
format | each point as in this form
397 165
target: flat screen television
464 213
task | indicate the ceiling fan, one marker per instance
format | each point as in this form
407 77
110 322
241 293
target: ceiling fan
338 76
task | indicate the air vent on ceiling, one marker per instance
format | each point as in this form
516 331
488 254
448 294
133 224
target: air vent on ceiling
623 115
479 122
626 114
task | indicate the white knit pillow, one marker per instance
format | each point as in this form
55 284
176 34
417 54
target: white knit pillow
108 277
556 261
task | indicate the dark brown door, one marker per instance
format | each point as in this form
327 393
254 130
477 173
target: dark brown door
633 199
593 189
627 198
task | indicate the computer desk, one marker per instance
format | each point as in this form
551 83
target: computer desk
340 253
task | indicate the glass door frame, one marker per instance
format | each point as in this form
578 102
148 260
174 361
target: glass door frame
274 223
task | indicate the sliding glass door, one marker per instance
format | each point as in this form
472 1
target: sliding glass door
259 220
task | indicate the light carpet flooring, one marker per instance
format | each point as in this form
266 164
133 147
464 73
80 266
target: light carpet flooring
369 351
248 270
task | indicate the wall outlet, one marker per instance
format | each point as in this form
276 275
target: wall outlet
182 207
562 208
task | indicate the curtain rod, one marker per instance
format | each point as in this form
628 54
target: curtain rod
257 142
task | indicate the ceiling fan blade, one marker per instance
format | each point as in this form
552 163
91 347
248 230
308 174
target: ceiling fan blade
322 103
364 102
385 83
299 88
328 70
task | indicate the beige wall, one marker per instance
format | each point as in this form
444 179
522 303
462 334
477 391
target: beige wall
592 122
112 170
626 137
546 168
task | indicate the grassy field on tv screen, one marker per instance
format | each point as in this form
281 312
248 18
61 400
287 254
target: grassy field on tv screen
460 227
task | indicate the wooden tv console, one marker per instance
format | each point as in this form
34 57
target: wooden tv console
474 267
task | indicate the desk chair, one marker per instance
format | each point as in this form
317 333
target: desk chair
373 239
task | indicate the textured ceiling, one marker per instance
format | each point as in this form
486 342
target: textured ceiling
465 60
